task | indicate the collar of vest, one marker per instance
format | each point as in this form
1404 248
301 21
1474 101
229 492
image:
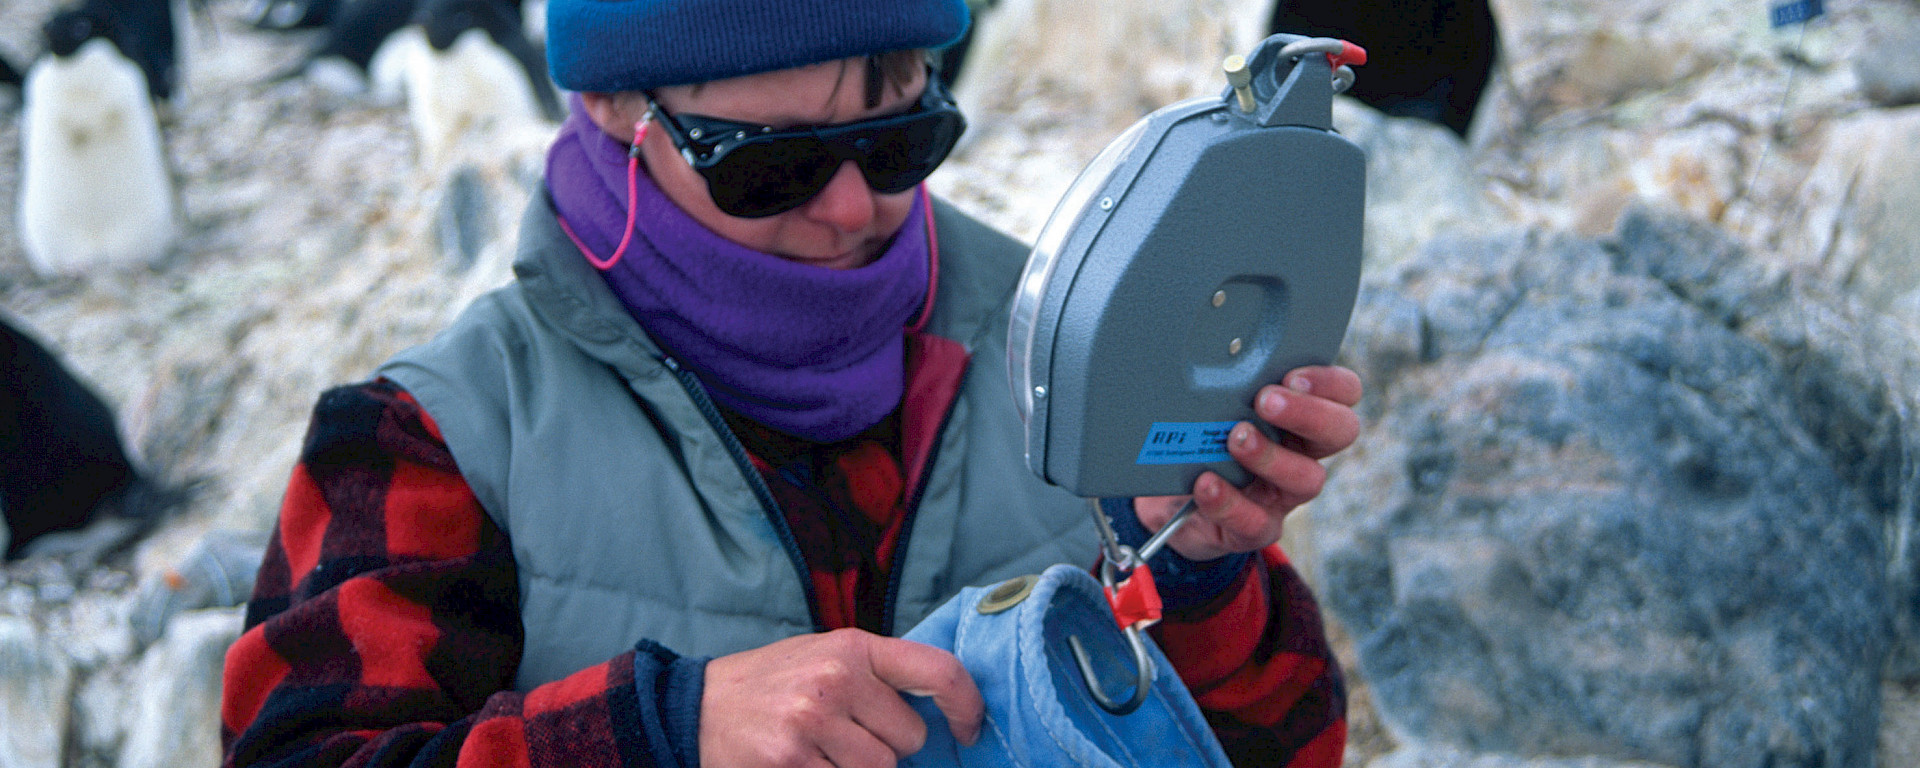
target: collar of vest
569 293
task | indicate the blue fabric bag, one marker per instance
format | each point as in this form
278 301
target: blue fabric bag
1013 638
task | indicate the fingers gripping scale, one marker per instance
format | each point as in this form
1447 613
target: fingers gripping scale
1209 249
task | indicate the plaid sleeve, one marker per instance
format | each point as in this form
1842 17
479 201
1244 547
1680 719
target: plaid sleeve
384 628
1257 660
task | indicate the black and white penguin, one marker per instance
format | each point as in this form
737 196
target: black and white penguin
9 77
1427 59
357 32
95 189
533 16
283 15
473 69
62 464
9 84
142 31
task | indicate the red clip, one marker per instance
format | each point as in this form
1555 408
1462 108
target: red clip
1349 54
1136 601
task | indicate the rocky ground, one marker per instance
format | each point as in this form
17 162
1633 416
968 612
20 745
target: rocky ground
309 255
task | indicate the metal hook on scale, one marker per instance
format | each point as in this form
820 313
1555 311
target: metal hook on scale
1136 604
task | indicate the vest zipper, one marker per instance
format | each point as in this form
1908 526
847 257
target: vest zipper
894 571
768 505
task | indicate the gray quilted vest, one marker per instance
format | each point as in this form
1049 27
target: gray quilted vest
633 512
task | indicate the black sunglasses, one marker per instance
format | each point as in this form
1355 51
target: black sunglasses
755 170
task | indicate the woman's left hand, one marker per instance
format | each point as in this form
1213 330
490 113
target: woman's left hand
1313 409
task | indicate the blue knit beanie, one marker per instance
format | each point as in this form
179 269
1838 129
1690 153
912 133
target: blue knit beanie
608 46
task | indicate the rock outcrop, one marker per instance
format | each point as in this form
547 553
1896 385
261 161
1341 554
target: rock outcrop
1623 497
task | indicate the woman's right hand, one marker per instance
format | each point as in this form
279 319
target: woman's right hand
830 699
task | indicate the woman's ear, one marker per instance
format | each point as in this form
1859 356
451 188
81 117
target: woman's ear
615 113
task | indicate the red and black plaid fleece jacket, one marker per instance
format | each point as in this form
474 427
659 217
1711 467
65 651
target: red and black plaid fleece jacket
384 628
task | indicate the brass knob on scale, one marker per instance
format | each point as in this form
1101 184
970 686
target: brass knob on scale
1241 79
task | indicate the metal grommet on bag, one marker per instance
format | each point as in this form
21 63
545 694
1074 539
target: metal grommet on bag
1007 594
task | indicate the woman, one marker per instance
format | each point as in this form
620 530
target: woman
741 417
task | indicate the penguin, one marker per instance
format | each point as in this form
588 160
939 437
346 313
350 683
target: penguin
473 69
357 31
141 30
287 15
503 22
533 16
95 188
62 464
9 84
1426 59
9 76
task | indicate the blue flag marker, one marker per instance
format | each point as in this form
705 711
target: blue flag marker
1796 12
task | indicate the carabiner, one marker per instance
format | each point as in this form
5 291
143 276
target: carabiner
1114 556
1142 662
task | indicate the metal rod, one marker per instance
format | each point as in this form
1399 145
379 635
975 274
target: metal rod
1159 539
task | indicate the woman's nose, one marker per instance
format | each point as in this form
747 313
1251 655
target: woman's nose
846 202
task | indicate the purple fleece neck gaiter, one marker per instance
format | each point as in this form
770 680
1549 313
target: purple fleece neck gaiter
814 352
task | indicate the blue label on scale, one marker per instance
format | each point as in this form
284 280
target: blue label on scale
1185 442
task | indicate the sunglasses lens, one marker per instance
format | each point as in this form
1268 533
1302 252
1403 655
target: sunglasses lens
753 176
762 178
904 155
